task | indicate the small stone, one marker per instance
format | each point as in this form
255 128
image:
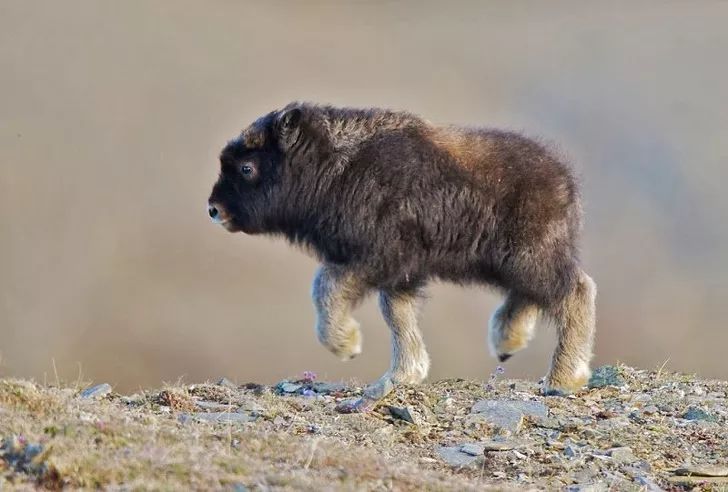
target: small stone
621 455
508 414
256 388
588 487
500 445
638 467
604 376
456 458
403 413
694 481
95 392
32 450
611 424
328 388
221 417
473 449
287 387
694 413
518 455
647 484
214 406
650 409
252 407
226 383
571 451
134 400
545 422
702 471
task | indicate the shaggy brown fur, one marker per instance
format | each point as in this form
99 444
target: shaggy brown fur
387 201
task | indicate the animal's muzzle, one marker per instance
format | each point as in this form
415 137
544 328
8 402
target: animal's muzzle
217 213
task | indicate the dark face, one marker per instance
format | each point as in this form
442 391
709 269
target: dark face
251 171
243 191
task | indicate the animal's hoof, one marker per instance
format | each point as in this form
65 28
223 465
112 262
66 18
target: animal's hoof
547 391
345 343
356 405
553 388
504 357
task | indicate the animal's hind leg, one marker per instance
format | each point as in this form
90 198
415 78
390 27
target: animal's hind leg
575 319
409 363
335 293
512 326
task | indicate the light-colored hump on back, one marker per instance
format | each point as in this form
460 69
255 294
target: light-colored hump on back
467 147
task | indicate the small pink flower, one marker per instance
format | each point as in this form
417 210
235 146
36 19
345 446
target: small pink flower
309 376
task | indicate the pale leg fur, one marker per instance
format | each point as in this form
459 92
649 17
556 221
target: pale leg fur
575 319
335 293
512 326
410 362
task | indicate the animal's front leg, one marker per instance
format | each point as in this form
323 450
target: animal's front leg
410 361
335 293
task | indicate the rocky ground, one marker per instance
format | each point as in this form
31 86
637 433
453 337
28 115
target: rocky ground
632 430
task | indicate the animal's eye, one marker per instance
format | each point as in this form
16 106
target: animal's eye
247 169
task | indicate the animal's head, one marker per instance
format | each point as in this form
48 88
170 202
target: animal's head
257 169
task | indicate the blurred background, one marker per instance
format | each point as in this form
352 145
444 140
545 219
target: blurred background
112 115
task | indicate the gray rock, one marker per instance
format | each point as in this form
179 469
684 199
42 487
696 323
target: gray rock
215 406
621 455
501 444
720 483
650 409
587 475
456 458
287 387
546 422
508 414
252 407
604 376
403 413
588 487
694 413
98 391
135 399
571 451
328 388
613 423
472 448
702 471
226 383
647 483
638 467
218 417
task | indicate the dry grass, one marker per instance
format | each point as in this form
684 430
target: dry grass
54 438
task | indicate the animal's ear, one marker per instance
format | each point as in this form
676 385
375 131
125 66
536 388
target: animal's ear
253 137
289 118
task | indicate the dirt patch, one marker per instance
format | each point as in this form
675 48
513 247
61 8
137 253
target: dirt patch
652 430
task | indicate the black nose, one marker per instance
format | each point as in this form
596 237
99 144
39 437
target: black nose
212 210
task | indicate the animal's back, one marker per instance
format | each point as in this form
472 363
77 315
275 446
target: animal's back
467 204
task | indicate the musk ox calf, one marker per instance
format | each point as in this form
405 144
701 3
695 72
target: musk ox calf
388 201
